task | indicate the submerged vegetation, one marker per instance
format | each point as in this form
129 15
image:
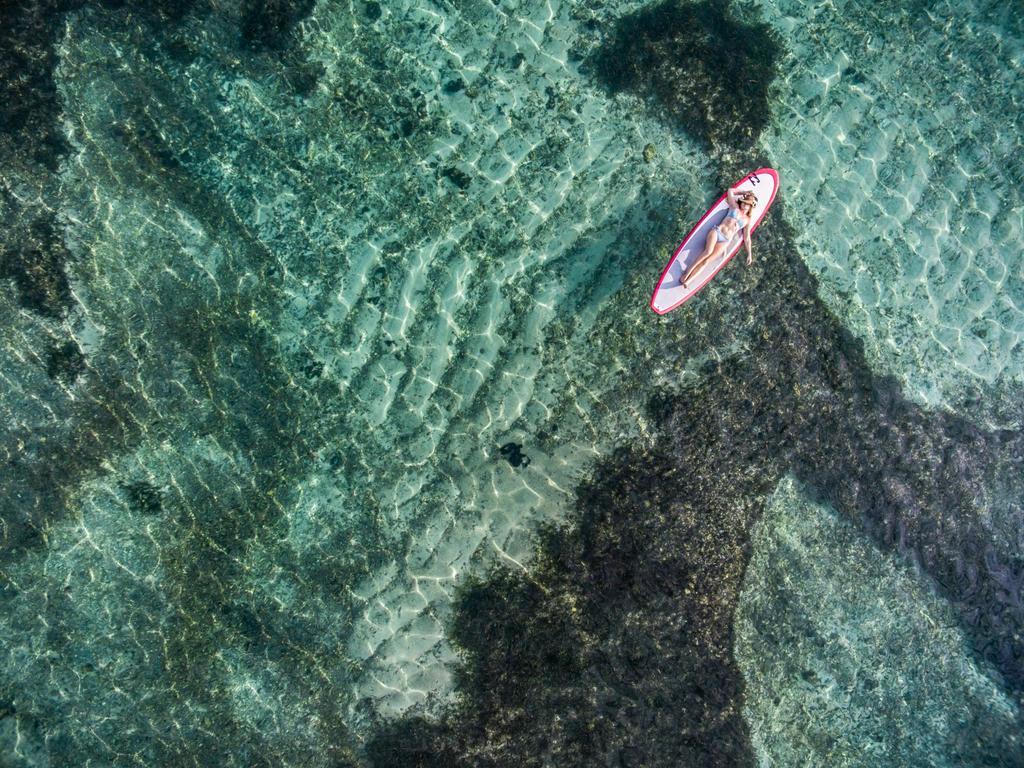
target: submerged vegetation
246 534
697 66
617 646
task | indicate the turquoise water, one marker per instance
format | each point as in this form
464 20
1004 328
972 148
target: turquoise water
857 662
897 122
328 374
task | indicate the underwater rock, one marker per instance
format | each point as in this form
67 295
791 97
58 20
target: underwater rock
268 24
269 27
699 68
850 659
458 177
65 362
513 454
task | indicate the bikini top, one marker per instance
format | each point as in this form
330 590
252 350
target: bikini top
734 213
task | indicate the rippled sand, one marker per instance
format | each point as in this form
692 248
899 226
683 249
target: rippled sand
421 243
352 328
903 178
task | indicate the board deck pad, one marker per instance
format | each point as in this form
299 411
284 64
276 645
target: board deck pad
669 292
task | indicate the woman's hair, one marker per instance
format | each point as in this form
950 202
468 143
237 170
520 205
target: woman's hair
749 198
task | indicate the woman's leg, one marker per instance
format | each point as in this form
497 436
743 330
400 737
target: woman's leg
711 247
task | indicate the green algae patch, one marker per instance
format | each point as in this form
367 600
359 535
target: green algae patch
851 659
698 67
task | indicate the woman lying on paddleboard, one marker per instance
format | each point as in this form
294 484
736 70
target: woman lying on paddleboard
741 205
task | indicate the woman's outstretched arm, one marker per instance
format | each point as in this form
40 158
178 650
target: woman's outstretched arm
746 239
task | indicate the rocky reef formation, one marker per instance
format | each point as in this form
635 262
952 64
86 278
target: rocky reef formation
639 592
614 649
849 657
697 66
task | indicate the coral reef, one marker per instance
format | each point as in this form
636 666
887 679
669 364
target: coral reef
640 590
849 657
697 66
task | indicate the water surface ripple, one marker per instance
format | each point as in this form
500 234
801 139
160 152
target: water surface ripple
313 315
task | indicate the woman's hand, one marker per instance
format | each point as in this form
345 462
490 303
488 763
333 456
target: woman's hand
750 258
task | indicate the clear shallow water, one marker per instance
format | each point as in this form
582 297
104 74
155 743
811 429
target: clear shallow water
904 182
238 245
849 657
315 296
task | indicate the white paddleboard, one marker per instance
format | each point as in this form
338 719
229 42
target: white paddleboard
669 293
